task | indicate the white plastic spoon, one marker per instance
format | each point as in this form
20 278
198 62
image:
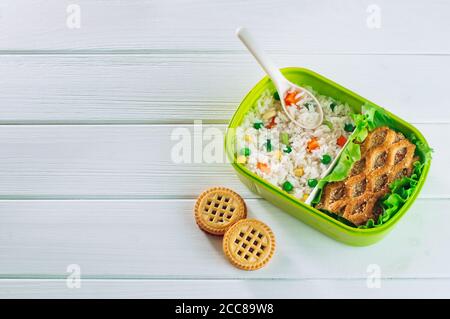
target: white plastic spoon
282 85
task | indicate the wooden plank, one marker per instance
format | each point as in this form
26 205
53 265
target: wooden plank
129 161
161 88
325 26
159 239
327 288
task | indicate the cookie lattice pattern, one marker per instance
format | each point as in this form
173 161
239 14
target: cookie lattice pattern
250 244
219 208
385 156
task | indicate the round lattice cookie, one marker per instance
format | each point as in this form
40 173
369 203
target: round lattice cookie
217 209
249 244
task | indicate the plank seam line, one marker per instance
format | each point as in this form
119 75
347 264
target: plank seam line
148 123
6 198
131 52
143 279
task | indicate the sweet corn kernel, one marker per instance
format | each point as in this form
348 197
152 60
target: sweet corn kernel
299 172
248 138
305 197
277 155
269 114
241 159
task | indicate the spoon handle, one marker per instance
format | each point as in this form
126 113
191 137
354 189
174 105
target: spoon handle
263 59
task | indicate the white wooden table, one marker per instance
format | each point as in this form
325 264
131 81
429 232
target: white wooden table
86 115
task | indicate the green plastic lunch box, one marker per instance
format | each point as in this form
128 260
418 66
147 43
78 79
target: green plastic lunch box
304 212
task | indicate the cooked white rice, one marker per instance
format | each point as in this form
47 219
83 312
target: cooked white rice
283 165
305 109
